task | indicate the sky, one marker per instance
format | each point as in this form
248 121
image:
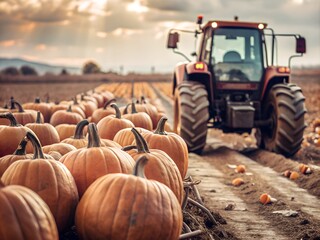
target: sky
131 35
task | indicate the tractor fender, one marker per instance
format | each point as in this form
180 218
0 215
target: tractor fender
190 71
271 78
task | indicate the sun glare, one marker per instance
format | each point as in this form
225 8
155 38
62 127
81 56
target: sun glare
94 7
136 6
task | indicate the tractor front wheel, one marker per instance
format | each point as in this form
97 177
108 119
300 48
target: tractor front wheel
191 114
285 109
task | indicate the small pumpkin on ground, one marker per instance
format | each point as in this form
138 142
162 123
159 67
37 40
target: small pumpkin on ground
161 167
131 206
25 215
171 143
50 179
110 125
88 164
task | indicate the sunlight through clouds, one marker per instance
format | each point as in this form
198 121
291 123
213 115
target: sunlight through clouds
137 7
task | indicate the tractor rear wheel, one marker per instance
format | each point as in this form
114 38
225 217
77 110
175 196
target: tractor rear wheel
285 109
191 114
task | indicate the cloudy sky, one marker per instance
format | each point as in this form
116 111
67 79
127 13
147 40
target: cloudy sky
133 33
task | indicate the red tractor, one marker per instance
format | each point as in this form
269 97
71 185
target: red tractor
235 86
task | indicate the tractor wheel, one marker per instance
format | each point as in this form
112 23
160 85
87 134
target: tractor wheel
285 109
191 114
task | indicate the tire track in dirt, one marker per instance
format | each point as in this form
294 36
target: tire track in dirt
244 223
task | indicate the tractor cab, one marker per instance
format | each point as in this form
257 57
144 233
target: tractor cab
233 53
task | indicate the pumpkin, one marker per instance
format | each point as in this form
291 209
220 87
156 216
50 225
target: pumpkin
58 106
88 105
24 215
100 113
22 116
78 140
294 175
171 143
240 169
46 133
237 182
62 148
107 95
139 119
160 167
19 154
265 198
152 111
110 125
65 116
37 105
98 97
304 169
125 137
122 206
51 180
10 136
65 130
88 164
78 107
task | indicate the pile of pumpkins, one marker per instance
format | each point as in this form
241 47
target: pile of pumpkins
113 173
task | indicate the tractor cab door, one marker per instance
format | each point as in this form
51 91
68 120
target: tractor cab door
237 55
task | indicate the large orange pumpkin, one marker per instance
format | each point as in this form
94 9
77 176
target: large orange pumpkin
37 105
65 116
46 133
110 125
24 215
88 164
65 130
78 140
125 137
10 136
51 180
160 167
171 143
129 207
139 119
100 113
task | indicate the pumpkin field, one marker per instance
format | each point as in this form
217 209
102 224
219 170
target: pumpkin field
97 159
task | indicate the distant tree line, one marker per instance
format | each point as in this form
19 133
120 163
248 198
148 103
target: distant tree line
89 67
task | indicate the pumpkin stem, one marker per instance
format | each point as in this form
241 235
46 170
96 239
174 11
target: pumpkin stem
138 169
75 101
109 102
128 148
37 100
11 118
79 129
143 100
12 106
125 111
93 136
21 149
20 108
37 148
38 120
118 113
160 127
133 108
142 145
69 108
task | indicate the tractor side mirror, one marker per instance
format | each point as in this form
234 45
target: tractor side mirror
301 45
173 40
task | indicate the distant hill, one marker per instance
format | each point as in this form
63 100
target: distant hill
41 68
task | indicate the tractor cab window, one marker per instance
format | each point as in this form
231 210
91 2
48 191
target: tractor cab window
237 54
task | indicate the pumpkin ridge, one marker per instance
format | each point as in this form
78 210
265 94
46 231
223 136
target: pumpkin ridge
133 201
117 206
172 215
15 214
33 212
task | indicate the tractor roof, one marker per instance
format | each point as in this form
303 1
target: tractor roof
217 23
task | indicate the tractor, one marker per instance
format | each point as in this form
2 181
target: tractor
233 84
